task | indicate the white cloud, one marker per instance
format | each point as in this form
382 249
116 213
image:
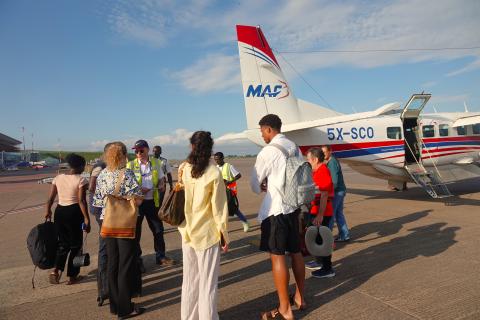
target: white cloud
216 72
449 99
470 67
305 25
429 84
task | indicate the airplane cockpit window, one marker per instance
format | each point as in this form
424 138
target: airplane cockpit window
428 131
461 131
394 133
443 130
476 128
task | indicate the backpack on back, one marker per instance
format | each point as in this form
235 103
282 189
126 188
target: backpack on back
299 188
42 244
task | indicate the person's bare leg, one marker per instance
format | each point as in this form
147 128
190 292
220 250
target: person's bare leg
281 278
298 266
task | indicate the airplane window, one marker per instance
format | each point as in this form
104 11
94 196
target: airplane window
443 130
461 131
394 133
428 131
476 128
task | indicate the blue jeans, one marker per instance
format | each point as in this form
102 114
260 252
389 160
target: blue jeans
240 216
338 216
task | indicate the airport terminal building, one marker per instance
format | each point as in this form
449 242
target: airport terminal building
9 150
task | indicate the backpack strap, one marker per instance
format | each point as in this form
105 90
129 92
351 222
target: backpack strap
284 151
121 176
281 148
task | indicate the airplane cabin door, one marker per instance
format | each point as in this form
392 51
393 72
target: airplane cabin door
411 130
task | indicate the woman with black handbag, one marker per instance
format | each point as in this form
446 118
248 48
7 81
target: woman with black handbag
121 263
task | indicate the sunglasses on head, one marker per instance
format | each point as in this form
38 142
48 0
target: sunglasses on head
139 150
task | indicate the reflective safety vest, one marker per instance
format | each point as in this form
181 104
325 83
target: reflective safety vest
155 167
228 176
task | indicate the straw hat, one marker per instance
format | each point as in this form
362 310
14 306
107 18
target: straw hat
319 250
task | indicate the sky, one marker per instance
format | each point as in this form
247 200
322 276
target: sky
78 74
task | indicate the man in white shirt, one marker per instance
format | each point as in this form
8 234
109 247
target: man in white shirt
279 222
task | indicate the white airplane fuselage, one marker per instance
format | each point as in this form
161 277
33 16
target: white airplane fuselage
386 143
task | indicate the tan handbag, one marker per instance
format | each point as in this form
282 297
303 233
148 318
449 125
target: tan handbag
173 209
120 218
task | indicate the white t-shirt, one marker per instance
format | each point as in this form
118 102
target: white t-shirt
147 179
166 168
270 165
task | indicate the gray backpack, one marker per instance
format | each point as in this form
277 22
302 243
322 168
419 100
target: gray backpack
299 188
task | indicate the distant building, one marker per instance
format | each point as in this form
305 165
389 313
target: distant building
8 144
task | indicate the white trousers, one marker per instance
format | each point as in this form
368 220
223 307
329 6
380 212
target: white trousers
200 283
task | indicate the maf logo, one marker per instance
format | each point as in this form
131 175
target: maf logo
271 91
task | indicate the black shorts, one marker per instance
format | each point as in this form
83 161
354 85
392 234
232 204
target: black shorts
280 234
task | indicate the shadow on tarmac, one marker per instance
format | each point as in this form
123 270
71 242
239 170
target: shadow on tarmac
357 268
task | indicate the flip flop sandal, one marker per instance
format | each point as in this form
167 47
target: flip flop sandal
54 278
295 304
77 279
274 314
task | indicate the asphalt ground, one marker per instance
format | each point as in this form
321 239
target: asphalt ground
411 257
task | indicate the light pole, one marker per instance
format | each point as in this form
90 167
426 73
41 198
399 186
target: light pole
23 138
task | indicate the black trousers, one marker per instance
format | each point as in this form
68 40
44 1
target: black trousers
325 261
121 272
68 222
148 210
102 275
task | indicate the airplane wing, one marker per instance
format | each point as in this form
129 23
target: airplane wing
465 121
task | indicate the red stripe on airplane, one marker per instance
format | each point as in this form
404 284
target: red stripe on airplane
254 37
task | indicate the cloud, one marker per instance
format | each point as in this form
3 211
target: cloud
468 68
232 137
429 84
154 22
449 99
303 25
217 72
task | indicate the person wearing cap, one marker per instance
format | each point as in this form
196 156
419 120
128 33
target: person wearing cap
148 173
166 169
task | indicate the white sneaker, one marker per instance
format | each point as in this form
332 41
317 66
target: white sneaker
246 226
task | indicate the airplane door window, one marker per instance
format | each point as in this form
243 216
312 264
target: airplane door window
394 133
428 131
443 130
461 131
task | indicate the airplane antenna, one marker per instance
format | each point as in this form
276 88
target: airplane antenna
304 80
465 105
434 109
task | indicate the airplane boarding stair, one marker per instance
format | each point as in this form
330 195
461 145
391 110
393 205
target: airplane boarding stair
429 179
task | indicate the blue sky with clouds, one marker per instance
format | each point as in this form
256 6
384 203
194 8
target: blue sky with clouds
78 74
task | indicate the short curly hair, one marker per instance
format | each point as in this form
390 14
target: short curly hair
116 155
76 162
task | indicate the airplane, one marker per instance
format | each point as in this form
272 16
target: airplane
396 143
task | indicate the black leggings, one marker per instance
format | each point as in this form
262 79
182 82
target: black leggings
68 222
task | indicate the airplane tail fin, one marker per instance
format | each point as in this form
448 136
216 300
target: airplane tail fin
265 88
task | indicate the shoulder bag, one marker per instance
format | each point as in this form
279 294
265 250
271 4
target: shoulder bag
120 216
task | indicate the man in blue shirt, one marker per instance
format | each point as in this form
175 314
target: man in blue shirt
339 195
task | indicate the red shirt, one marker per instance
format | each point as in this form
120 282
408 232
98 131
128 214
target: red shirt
323 181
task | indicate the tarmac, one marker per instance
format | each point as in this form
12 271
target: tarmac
411 257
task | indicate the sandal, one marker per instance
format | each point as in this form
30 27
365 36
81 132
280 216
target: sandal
54 278
295 304
75 280
274 314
